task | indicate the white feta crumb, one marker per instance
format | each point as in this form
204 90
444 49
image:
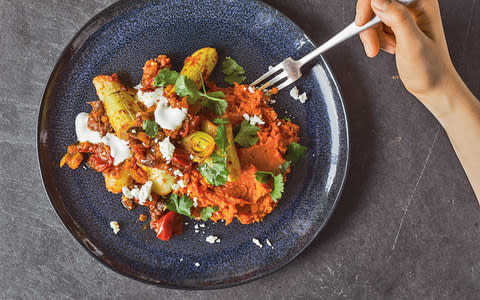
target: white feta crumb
126 192
178 173
134 130
294 93
273 101
246 116
196 226
211 239
302 98
202 225
192 157
167 149
203 232
195 201
181 259
114 225
279 123
181 183
175 186
257 242
144 192
196 230
197 264
268 243
244 88
218 240
254 120
251 89
186 223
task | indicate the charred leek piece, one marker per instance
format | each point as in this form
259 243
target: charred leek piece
200 144
120 105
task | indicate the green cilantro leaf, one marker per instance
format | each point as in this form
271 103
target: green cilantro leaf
278 187
214 170
165 77
263 177
221 138
207 212
186 87
294 152
180 205
214 100
219 121
150 127
233 71
247 134
287 119
284 167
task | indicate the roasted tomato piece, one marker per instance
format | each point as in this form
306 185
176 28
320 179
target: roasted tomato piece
169 224
181 159
100 160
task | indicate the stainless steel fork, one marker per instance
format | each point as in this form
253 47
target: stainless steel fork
288 71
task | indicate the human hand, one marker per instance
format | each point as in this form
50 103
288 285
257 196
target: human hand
415 35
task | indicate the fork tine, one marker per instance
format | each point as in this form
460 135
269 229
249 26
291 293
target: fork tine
285 83
275 79
270 72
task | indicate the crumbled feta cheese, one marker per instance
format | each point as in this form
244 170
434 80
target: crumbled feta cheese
181 183
212 239
178 173
144 192
167 149
254 119
195 201
181 259
175 186
197 264
114 225
302 98
202 225
294 93
126 192
273 101
192 157
268 243
196 226
257 242
279 123
196 230
251 89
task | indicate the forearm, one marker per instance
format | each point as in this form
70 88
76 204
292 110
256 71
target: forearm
458 111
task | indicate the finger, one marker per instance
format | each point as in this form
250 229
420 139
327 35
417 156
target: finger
398 18
363 12
370 41
388 43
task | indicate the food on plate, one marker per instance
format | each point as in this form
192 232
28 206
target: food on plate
182 146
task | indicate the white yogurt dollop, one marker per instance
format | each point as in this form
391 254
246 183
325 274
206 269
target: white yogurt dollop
150 98
119 148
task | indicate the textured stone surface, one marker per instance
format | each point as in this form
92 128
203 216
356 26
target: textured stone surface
407 223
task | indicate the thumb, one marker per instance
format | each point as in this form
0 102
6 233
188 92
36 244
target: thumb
398 17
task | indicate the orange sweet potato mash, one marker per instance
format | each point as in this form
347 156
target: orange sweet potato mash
247 199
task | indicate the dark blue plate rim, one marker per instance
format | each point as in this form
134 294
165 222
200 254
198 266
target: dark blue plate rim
96 22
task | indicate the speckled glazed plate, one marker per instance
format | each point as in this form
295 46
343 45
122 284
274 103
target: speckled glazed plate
120 39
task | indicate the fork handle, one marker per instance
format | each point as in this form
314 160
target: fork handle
348 32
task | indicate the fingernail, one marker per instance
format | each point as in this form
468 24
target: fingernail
380 5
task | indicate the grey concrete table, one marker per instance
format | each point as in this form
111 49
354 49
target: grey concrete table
407 225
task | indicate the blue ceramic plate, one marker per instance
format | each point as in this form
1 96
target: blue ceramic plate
120 39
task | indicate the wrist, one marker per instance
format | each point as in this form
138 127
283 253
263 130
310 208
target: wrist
448 99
